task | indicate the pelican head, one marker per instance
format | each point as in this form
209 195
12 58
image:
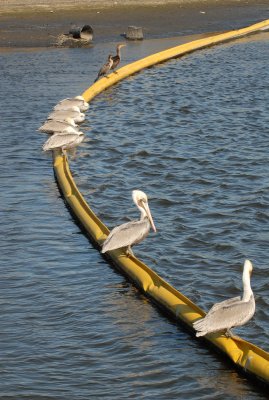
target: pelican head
80 98
119 46
141 200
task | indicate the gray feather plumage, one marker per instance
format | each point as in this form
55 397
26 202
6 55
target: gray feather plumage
127 234
66 104
224 303
64 141
226 315
64 115
52 126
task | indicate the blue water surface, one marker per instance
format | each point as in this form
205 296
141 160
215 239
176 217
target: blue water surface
193 134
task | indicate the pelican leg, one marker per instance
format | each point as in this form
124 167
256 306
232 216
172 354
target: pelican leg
228 333
73 153
65 153
129 251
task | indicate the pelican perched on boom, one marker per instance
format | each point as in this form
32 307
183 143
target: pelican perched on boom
117 58
69 103
229 313
52 126
132 232
63 141
64 115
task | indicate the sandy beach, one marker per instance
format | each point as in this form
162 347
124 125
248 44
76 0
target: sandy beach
37 23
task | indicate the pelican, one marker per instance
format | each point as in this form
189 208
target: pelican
117 58
67 104
64 141
52 126
132 232
63 115
229 313
105 68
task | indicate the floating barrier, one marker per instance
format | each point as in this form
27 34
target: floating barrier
246 356
165 55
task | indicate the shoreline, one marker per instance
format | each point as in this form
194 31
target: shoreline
11 6
39 24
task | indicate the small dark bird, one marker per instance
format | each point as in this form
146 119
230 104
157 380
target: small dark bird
117 58
105 68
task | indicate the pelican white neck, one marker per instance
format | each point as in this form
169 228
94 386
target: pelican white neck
141 201
247 291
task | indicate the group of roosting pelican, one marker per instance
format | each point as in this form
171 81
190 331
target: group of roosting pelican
61 123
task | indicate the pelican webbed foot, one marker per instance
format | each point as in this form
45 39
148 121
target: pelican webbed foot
73 153
129 252
64 153
228 333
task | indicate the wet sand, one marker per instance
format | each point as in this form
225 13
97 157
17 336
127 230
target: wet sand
38 25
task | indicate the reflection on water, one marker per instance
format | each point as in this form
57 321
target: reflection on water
192 133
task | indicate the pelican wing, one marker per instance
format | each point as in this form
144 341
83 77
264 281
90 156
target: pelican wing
224 303
77 116
70 104
62 140
65 105
75 99
56 126
225 317
126 235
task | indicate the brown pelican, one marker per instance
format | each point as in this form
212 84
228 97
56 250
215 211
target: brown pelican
67 104
229 313
52 126
132 232
105 68
66 107
64 141
64 115
117 58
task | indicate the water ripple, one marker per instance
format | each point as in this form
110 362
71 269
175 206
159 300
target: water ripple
193 134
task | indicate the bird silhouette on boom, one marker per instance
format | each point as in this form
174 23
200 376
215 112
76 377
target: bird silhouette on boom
105 68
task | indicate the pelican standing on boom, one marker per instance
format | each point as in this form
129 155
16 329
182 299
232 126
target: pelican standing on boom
132 232
229 313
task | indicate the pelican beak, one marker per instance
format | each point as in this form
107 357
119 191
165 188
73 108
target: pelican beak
146 208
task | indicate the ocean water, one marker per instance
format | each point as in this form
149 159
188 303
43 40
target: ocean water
192 133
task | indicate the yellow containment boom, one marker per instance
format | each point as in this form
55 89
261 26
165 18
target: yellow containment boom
248 357
165 55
